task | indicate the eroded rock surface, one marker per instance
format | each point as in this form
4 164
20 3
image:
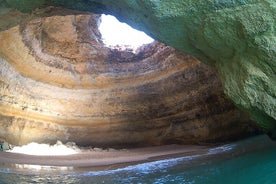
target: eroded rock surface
237 37
59 82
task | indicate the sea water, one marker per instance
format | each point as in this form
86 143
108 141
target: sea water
251 161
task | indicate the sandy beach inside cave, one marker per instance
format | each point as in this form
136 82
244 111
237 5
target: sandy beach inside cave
103 159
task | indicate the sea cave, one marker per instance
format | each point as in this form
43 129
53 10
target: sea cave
189 97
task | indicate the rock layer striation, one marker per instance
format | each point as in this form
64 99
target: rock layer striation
59 82
237 37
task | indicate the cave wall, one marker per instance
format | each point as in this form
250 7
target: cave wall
237 37
59 82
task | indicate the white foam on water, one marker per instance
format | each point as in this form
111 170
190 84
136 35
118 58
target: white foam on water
150 167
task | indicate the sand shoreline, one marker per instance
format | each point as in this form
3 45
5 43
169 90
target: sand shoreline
102 159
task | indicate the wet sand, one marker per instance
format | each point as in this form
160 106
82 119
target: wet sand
103 159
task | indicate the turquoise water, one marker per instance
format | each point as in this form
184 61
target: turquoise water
249 161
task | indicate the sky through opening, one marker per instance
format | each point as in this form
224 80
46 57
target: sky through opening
115 33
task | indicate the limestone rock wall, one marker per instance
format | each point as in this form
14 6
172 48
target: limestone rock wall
59 82
237 37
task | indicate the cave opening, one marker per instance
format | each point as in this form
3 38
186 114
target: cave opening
121 36
38 149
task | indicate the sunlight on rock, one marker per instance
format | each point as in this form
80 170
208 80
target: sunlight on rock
45 149
118 34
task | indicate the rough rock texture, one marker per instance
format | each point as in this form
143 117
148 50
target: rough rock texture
237 37
58 81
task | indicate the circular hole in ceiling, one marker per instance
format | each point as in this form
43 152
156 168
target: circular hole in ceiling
116 34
